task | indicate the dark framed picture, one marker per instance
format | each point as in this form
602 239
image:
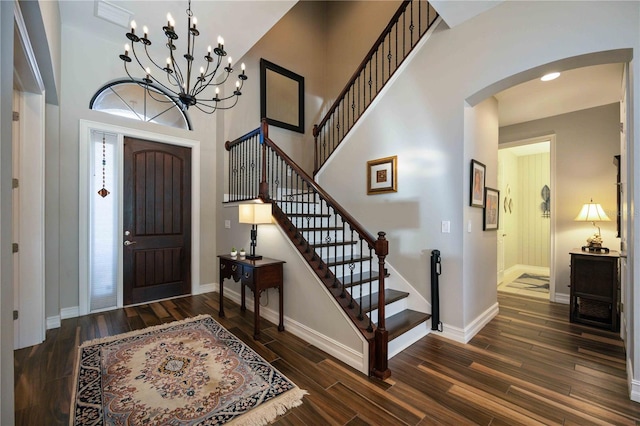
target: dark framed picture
382 175
491 209
478 172
281 96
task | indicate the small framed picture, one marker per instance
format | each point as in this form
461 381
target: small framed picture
491 209
382 175
478 171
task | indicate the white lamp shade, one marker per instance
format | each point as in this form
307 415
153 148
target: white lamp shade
592 212
254 213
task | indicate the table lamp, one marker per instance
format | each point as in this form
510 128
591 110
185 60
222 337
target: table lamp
593 212
255 214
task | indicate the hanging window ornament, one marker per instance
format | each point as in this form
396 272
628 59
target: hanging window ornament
103 192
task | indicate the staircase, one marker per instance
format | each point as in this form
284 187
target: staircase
349 261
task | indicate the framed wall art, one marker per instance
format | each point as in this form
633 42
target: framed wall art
281 96
491 209
478 172
382 175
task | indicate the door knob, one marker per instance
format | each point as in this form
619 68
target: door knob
128 243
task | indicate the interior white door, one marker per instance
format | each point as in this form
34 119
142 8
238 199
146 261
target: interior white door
15 199
501 234
623 206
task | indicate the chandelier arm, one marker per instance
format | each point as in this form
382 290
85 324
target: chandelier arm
230 106
176 68
152 95
200 105
191 44
209 79
152 61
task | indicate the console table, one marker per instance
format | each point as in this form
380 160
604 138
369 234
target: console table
258 275
594 295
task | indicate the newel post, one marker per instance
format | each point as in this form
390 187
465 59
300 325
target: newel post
316 152
381 369
264 187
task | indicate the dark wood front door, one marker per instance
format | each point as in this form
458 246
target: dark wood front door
157 221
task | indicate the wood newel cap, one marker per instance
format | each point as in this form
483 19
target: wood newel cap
382 244
227 145
265 128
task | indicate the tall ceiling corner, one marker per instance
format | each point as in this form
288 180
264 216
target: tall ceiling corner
456 12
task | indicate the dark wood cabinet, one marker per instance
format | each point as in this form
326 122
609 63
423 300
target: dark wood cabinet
594 297
258 275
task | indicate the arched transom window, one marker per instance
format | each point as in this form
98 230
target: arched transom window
129 99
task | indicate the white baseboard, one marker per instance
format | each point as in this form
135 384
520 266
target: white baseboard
71 312
561 298
465 335
53 322
345 354
207 288
634 385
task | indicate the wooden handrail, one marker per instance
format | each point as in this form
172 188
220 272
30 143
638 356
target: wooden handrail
371 240
230 144
363 64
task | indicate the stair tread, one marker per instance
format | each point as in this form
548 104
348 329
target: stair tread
333 244
369 304
359 278
308 214
404 321
340 260
285 201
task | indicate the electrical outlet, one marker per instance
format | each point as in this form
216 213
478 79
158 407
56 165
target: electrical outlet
227 224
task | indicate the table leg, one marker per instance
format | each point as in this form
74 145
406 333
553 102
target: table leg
281 325
256 314
243 307
221 310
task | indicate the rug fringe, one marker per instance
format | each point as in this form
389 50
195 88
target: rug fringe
267 413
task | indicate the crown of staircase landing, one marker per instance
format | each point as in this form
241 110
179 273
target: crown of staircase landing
345 257
406 28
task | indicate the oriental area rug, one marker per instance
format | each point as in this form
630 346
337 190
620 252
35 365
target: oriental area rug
191 372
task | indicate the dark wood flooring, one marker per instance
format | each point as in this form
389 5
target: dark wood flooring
528 366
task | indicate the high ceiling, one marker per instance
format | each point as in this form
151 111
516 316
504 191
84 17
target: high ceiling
243 22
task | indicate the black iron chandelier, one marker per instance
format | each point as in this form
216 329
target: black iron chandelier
183 88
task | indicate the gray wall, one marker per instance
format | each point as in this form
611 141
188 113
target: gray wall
425 118
586 142
6 257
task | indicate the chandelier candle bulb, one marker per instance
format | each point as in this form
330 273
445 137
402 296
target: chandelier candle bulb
126 49
170 21
145 30
242 67
195 21
220 42
133 27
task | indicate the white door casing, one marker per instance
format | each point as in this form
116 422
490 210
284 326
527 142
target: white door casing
86 127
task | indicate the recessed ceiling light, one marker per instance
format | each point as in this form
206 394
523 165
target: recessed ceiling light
550 76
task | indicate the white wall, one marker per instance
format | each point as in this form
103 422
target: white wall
586 142
421 118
